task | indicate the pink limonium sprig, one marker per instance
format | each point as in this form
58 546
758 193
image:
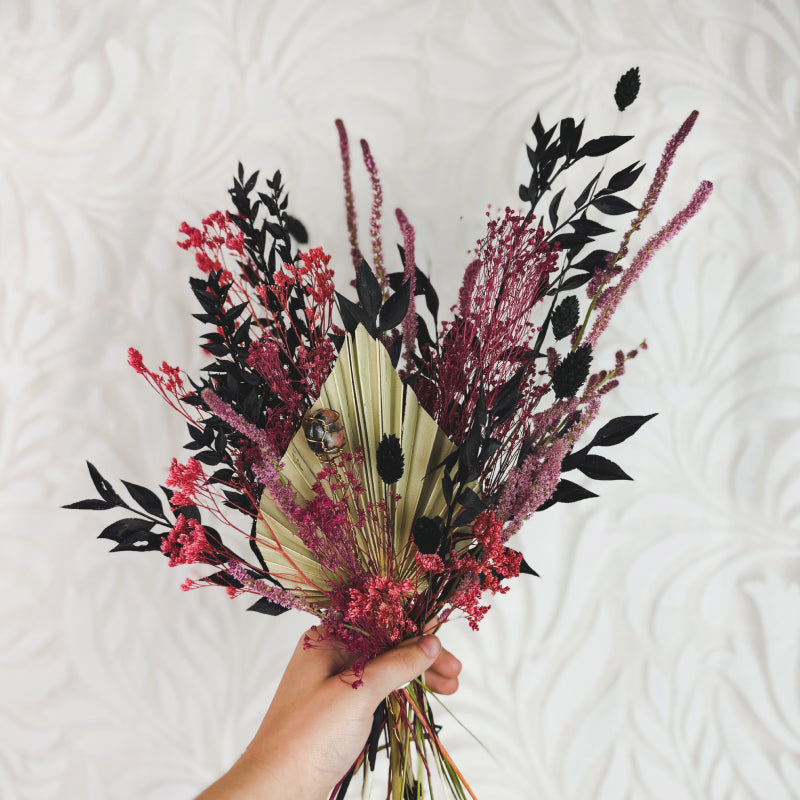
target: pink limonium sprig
410 321
349 202
375 217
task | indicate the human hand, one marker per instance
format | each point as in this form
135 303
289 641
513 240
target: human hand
317 723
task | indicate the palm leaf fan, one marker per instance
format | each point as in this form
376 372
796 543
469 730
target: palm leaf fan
372 402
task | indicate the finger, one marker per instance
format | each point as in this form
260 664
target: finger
439 684
446 665
401 664
316 658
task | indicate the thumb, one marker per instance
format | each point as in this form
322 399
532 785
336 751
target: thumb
401 664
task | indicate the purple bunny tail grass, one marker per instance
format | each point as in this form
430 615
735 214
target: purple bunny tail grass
659 179
410 320
349 203
533 483
610 299
267 469
375 217
259 586
226 413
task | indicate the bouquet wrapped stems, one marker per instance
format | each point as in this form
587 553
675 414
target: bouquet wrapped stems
417 758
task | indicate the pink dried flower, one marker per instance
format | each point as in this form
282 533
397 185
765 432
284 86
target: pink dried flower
186 543
187 480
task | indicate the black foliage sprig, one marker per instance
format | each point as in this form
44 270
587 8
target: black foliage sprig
136 533
555 151
592 465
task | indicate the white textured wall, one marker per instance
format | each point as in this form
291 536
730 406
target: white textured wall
657 657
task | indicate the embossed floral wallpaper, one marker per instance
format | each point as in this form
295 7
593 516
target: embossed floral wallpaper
658 656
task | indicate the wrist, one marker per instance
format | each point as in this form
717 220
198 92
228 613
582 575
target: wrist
276 772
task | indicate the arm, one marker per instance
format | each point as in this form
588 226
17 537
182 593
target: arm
317 723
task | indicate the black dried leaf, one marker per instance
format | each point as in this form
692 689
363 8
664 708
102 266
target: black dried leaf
132 534
337 340
394 350
103 486
353 315
573 282
369 290
613 205
265 606
222 578
188 512
489 448
472 506
428 534
569 492
425 286
389 459
345 783
589 227
565 317
574 459
146 498
587 190
242 334
395 308
567 136
627 88
542 138
569 240
93 504
602 469
378 718
570 374
216 349
296 229
592 262
251 183
208 457
275 231
553 209
625 178
603 145
618 430
510 387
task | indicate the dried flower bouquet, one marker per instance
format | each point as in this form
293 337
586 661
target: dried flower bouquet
384 460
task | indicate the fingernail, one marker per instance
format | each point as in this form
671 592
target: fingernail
430 645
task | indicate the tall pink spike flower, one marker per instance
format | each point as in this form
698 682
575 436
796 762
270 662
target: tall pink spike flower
653 193
375 217
349 203
610 298
410 321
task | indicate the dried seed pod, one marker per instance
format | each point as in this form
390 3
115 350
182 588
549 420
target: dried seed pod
324 433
